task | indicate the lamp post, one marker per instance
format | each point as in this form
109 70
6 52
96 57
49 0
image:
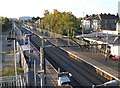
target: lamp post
68 37
42 54
15 62
13 25
49 30
41 74
35 73
106 46
42 62
83 26
42 71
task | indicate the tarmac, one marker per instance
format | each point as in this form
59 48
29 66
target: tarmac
7 58
6 53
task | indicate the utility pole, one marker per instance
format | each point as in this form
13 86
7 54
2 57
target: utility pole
42 62
83 27
68 38
42 55
106 56
14 53
35 73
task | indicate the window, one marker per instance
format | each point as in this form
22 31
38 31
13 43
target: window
105 26
105 21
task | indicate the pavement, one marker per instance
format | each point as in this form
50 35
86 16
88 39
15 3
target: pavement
7 58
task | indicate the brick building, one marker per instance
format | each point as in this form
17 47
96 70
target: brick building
100 22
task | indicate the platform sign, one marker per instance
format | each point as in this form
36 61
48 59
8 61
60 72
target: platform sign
31 51
11 38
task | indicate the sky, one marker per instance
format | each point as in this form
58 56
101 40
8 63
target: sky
18 8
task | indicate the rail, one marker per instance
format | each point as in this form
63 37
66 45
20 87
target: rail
10 81
99 69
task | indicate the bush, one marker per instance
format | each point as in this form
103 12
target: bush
3 60
12 52
7 72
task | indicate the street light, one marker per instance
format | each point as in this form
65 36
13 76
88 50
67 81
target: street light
41 74
42 70
83 26
68 37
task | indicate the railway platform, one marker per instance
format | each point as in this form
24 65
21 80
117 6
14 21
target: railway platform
105 67
97 60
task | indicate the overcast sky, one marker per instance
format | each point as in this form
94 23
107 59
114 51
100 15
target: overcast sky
18 8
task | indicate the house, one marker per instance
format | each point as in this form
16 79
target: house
100 22
39 22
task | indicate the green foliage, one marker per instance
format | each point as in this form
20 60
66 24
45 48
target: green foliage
6 24
3 60
60 22
7 72
12 52
35 19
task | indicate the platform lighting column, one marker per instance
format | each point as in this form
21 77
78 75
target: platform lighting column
42 61
14 52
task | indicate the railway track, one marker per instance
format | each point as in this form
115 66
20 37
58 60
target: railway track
74 83
83 75
55 65
79 70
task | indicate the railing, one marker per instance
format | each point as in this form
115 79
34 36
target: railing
10 81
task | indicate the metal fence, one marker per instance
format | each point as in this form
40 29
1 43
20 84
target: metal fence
11 81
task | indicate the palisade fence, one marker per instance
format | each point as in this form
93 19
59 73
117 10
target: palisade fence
21 81
23 60
49 33
11 82
55 35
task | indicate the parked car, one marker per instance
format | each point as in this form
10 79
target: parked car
115 57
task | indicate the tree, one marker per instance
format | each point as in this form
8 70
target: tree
35 19
6 24
46 12
60 22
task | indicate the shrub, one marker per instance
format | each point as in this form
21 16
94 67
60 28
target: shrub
11 52
7 72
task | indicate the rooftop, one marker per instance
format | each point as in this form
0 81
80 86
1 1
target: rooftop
102 16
